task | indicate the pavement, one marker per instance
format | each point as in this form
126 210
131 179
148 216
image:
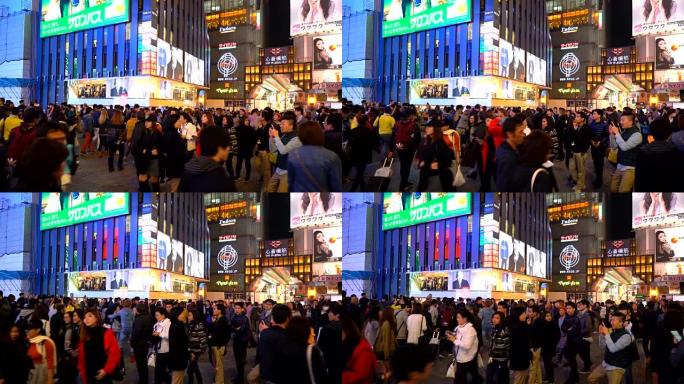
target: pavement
93 175
473 184
639 374
207 370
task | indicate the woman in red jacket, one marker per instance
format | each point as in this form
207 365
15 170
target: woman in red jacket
360 361
98 350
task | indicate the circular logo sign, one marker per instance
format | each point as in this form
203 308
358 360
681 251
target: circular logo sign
569 64
227 257
227 64
569 257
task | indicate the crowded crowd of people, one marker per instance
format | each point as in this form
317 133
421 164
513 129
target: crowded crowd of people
48 339
509 341
194 150
512 149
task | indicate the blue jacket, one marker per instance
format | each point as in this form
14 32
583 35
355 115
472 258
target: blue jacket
506 163
314 168
599 132
572 327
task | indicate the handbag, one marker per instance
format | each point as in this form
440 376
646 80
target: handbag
613 155
435 338
385 171
459 180
151 359
451 371
425 338
534 177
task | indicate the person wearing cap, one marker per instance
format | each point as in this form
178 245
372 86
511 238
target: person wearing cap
434 157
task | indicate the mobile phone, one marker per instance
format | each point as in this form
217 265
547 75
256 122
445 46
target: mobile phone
677 336
450 333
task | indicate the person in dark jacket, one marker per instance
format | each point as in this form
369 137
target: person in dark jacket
247 139
116 138
520 344
363 141
205 173
580 135
174 150
218 337
535 171
179 354
507 154
626 138
197 344
141 336
662 345
434 158
499 352
572 328
239 325
550 336
42 166
298 332
146 145
330 343
599 145
656 161
272 340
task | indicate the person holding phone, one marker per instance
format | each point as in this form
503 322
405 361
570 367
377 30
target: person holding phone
616 358
627 139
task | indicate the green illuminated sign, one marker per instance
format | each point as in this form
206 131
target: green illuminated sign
404 209
63 209
59 17
402 17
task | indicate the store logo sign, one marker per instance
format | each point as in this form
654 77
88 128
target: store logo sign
227 257
227 238
226 222
571 283
569 238
227 65
569 258
227 29
229 45
569 65
566 46
569 222
569 29
425 21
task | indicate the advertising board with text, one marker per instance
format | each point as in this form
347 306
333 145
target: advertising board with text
618 248
656 17
657 209
276 55
315 17
315 209
327 244
59 17
404 209
402 17
227 266
60 209
669 244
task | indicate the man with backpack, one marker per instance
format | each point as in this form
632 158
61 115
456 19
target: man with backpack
401 316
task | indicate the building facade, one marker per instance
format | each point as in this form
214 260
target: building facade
121 52
16 69
464 52
17 213
103 244
463 245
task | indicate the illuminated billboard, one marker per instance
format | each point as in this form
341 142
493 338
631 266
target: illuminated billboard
309 19
327 52
276 55
60 209
327 244
59 17
401 17
194 70
669 52
669 244
655 17
536 262
657 209
133 281
536 70
194 262
315 209
227 266
404 209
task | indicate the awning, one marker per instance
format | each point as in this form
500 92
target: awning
279 83
616 84
273 276
616 276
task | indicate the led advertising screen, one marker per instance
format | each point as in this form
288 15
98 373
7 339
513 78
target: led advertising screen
654 17
516 70
227 266
536 262
315 17
315 209
669 244
59 17
536 70
327 244
164 249
505 249
516 263
276 55
194 262
505 57
327 52
404 209
60 209
163 57
175 263
401 17
276 248
194 70
669 52
618 56
657 209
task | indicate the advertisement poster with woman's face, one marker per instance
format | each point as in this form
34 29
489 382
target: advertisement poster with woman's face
327 52
652 17
516 263
310 17
327 244
652 209
669 244
312 209
669 52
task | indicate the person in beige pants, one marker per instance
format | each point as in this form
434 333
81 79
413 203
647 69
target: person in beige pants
616 358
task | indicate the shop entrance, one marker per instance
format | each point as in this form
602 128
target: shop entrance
276 92
275 283
617 284
618 91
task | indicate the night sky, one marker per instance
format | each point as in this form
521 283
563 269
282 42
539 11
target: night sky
618 216
276 216
276 23
618 23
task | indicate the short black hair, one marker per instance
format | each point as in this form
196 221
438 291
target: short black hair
571 304
661 129
510 124
281 313
289 115
409 358
162 311
211 139
620 315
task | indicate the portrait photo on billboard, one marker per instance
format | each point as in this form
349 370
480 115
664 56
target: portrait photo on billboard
429 282
117 87
310 17
516 263
194 265
117 279
505 58
175 263
669 244
669 52
405 16
315 209
536 266
164 249
327 51
459 279
505 249
516 69
657 209
327 244
651 17
536 70
194 70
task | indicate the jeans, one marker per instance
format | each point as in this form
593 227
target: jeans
548 366
193 369
598 155
497 372
584 351
405 161
247 159
445 179
360 180
141 364
387 143
113 147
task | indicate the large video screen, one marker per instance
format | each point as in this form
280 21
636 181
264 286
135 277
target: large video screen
404 209
59 17
327 52
327 244
505 249
194 262
536 70
309 19
194 70
536 262
402 17
227 266
516 263
60 209
315 209
669 52
653 17
657 209
169 61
